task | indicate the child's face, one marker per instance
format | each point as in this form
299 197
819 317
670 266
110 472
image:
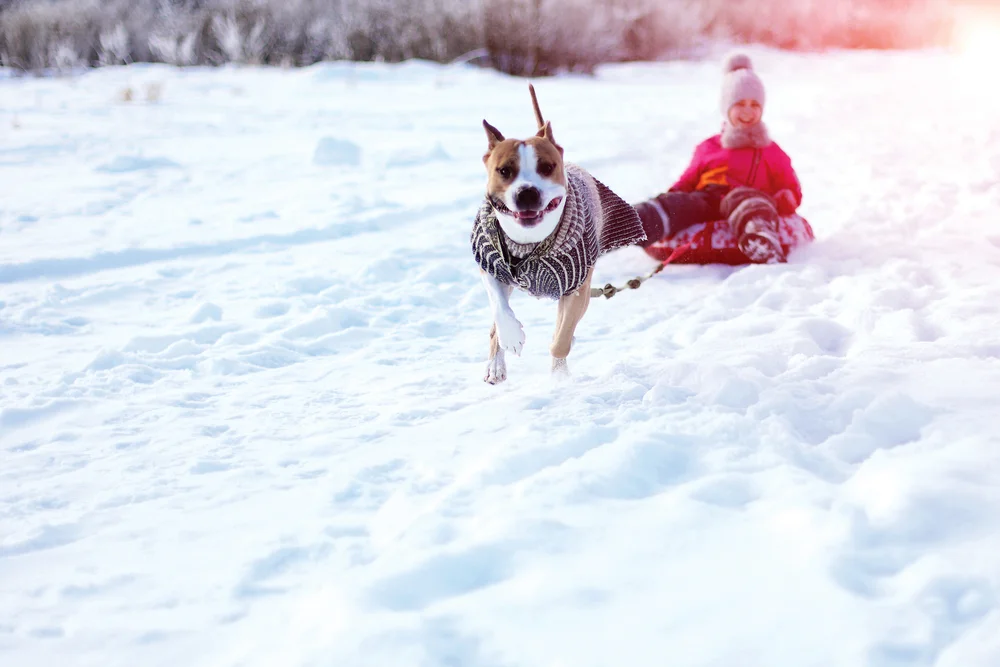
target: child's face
745 113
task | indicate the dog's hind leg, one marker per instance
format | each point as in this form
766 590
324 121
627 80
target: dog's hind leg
572 308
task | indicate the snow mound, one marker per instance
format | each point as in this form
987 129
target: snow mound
123 164
333 152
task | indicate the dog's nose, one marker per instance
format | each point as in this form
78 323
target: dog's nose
528 198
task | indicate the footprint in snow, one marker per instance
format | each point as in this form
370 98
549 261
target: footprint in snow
642 469
272 309
951 605
334 152
889 421
124 164
732 491
260 579
530 461
879 551
50 537
444 576
206 312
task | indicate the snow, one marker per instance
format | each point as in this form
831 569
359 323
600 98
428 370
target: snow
333 151
242 415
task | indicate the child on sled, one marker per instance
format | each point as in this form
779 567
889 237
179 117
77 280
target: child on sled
739 175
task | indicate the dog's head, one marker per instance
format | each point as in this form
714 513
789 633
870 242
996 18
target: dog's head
526 182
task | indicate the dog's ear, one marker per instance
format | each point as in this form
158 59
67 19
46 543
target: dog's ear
546 133
493 136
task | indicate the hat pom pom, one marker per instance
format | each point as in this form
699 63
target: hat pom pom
737 61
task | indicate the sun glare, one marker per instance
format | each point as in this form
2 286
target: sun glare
977 36
981 40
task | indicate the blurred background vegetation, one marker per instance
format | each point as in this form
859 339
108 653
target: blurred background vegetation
529 37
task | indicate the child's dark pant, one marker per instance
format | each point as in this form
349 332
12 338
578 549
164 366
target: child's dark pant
671 212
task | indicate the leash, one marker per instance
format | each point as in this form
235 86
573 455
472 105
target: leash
610 290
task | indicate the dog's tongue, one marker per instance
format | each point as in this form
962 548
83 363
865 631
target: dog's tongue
527 215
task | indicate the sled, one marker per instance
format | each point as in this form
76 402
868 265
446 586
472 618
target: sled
713 242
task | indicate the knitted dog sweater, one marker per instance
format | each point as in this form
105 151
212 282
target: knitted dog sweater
594 221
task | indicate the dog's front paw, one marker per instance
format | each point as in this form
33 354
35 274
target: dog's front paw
510 333
496 369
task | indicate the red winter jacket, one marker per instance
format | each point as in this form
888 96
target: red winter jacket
767 169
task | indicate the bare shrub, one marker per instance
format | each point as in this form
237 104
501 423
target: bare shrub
520 36
114 46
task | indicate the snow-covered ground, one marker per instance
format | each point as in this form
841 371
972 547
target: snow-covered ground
242 414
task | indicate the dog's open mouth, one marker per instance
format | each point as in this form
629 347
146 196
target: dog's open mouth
529 217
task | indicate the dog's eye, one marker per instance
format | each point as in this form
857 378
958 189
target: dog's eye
505 172
546 168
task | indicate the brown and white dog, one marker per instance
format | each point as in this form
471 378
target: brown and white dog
527 185
518 239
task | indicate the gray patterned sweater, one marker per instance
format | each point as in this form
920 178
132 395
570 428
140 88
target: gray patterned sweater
594 221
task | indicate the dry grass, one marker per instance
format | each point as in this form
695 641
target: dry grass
519 36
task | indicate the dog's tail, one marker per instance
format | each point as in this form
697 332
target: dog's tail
534 103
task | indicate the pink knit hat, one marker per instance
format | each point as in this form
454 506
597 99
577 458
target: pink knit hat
740 82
